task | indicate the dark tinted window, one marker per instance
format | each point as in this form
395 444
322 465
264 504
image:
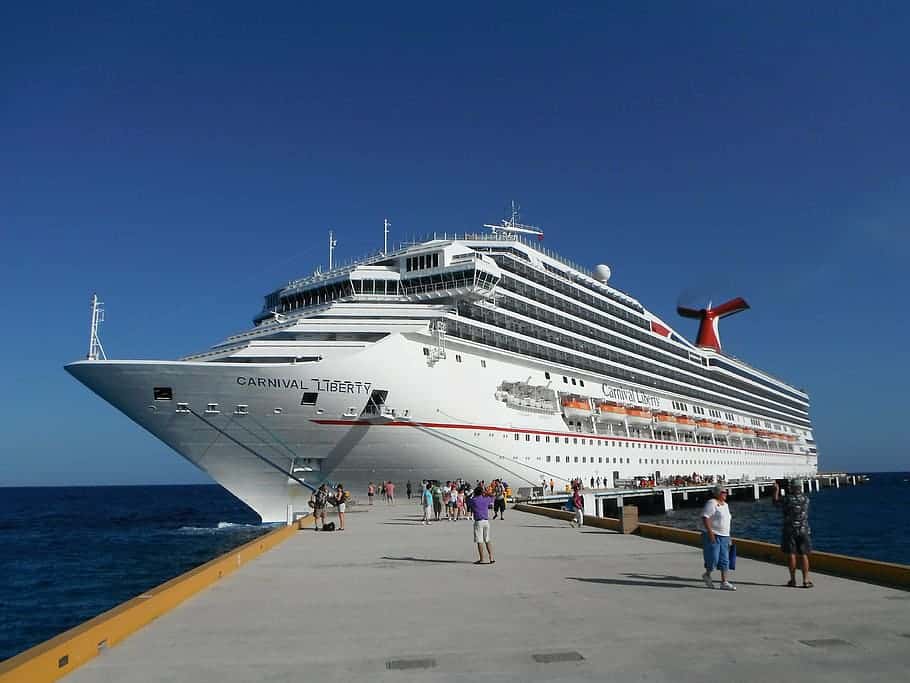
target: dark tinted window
309 398
163 394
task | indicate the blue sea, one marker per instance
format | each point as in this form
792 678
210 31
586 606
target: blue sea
72 553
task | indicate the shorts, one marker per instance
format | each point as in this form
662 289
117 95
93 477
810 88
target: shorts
796 543
717 554
499 505
341 507
481 531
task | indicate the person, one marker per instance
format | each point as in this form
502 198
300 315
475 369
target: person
592 482
579 505
499 499
452 505
480 508
390 493
437 500
716 519
407 489
427 503
552 485
796 537
340 497
371 491
318 501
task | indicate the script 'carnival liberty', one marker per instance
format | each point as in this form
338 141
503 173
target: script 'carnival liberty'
481 355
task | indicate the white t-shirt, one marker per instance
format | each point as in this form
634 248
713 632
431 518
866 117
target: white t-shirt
719 516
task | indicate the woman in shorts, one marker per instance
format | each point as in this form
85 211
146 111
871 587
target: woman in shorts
339 500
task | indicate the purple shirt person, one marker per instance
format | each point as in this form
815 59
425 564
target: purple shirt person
480 507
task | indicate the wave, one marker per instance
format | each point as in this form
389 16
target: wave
220 527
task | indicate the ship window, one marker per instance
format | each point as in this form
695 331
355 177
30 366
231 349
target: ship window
423 262
426 351
212 409
309 398
581 382
435 260
457 357
483 363
183 408
548 458
517 437
584 459
573 380
565 439
163 393
565 380
546 375
527 437
576 458
557 458
241 410
537 437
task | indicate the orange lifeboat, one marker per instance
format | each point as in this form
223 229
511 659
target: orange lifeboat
575 406
736 431
721 428
610 412
748 431
665 421
705 426
639 416
685 424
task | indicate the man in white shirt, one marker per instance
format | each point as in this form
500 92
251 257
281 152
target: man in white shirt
716 519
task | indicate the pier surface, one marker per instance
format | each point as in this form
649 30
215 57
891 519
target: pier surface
391 599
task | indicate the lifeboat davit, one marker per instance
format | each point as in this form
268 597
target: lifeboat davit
685 424
610 412
576 407
639 417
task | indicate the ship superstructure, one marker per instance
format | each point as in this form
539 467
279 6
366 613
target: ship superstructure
474 355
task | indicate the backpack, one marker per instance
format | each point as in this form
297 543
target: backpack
328 526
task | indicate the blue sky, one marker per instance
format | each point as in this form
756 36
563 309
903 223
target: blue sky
185 158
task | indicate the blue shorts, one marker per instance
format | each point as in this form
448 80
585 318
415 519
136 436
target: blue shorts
717 554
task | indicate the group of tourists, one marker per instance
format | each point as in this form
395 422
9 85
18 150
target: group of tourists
451 501
322 498
796 537
386 489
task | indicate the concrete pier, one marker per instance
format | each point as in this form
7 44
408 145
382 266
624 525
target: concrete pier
390 599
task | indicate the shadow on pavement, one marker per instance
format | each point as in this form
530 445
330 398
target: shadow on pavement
424 559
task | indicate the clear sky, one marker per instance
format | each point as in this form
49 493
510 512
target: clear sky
183 159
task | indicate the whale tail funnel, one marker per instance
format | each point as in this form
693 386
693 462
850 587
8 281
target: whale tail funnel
708 336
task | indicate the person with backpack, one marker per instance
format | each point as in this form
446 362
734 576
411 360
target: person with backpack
318 502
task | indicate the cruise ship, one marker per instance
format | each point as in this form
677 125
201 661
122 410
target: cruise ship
470 355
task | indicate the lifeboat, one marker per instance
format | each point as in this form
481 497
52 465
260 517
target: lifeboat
610 412
685 424
736 431
575 406
665 421
721 428
705 427
747 431
639 417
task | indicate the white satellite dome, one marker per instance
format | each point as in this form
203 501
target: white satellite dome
602 273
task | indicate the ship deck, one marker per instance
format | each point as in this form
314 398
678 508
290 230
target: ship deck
391 599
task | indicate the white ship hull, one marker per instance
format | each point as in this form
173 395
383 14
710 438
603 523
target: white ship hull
245 424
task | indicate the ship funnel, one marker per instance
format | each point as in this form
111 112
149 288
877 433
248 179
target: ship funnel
708 336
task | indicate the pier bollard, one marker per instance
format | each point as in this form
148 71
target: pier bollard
756 491
668 500
628 519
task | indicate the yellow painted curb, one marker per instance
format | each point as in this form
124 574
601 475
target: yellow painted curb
54 658
888 574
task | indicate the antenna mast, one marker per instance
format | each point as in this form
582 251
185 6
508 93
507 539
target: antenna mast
385 236
332 243
95 350
511 225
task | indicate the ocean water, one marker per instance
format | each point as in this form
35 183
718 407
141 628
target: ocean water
71 553
870 520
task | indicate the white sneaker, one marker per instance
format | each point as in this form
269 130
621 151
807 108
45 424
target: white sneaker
706 577
727 586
